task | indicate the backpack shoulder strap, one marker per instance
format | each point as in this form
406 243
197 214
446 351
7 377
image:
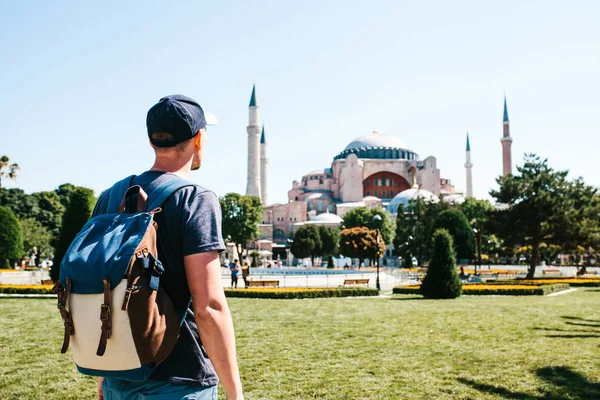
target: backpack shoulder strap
116 193
158 196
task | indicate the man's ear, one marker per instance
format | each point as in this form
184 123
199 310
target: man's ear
198 139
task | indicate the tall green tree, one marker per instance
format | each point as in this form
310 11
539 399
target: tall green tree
361 243
307 242
11 240
441 280
241 216
8 170
363 217
81 205
544 206
330 239
462 234
36 236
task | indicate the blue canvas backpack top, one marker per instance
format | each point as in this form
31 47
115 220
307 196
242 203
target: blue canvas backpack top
118 318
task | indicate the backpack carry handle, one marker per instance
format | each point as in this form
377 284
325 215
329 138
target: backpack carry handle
142 199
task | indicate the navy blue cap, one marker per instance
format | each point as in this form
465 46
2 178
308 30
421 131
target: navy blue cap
179 116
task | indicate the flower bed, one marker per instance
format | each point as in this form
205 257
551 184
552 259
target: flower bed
479 289
300 293
575 282
267 293
26 289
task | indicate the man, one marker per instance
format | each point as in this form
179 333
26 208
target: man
235 270
189 242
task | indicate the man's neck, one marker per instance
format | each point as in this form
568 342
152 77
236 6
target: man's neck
174 166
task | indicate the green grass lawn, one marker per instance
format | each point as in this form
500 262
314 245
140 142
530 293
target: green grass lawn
402 347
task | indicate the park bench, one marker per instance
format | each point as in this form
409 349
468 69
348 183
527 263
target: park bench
488 275
511 274
263 283
551 271
348 282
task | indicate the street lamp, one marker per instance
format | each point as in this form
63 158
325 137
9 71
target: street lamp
478 238
377 219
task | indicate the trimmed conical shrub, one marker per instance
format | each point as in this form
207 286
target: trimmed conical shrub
330 263
441 281
79 211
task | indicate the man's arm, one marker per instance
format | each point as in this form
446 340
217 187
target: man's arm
203 271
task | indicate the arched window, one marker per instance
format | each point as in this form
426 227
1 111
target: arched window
375 193
368 193
320 205
330 208
278 234
383 193
391 193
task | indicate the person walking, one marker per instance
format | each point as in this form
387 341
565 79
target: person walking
235 271
189 241
245 273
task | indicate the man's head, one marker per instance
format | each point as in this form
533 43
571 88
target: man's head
177 129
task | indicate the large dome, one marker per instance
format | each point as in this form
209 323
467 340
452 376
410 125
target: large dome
403 198
378 146
376 140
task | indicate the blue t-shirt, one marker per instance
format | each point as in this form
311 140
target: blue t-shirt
189 223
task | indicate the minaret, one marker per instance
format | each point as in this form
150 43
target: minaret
468 166
506 143
264 162
253 129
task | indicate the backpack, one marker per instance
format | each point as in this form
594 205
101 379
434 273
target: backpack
117 316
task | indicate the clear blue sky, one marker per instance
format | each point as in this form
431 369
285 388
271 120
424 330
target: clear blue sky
77 79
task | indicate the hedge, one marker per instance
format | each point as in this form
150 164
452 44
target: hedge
300 293
495 289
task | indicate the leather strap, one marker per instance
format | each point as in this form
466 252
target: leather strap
116 193
105 317
63 299
142 198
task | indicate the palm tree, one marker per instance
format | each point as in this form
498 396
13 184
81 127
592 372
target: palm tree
7 170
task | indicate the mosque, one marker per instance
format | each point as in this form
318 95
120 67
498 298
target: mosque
374 170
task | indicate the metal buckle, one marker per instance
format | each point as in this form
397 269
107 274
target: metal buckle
104 312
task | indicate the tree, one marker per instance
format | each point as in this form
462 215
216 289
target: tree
307 242
330 239
7 170
241 216
64 193
81 205
11 240
50 212
441 280
363 217
414 228
36 236
457 225
361 243
544 206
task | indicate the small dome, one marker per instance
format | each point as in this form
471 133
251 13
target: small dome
327 218
454 198
371 198
318 196
403 198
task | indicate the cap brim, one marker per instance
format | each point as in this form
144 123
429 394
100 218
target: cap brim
210 118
